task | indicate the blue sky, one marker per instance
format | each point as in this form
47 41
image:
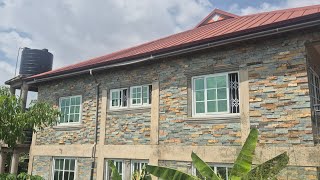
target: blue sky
75 30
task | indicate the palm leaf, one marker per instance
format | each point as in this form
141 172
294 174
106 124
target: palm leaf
203 168
114 172
169 174
268 169
244 160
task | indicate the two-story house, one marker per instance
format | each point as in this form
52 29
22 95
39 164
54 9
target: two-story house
199 90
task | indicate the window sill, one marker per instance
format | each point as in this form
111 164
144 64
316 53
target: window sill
68 127
215 119
129 110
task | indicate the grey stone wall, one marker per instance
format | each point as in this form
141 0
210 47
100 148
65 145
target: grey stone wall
42 166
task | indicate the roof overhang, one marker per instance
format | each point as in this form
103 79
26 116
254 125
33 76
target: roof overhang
298 24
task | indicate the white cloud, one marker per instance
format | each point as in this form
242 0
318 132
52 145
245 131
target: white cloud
265 6
75 30
6 71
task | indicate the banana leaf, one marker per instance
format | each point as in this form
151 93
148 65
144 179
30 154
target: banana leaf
114 172
169 174
268 169
203 168
244 160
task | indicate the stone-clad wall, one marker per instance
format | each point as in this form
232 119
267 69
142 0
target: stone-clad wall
83 134
279 100
42 166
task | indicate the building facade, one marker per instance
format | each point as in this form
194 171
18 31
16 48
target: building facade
158 112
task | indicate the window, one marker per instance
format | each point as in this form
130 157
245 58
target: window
139 96
314 84
70 108
214 94
137 166
120 167
222 170
64 169
119 97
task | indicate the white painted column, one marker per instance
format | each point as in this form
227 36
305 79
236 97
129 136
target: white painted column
14 162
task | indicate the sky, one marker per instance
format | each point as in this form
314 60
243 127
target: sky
76 30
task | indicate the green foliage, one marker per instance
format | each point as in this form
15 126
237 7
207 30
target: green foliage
168 173
268 169
21 176
240 171
114 172
203 168
143 175
244 160
14 120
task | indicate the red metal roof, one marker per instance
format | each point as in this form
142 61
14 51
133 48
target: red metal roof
210 32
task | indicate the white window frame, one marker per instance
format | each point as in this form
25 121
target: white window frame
118 90
141 99
114 161
80 109
218 114
140 163
64 158
215 168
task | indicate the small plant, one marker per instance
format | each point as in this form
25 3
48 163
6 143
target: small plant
21 176
143 175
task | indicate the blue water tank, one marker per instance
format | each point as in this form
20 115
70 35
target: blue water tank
35 61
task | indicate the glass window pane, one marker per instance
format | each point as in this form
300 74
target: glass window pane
73 101
145 100
67 102
139 95
77 109
77 118
72 164
138 101
67 164
222 171
60 175
63 102
71 177
114 102
61 164
78 100
199 84
222 106
199 107
134 101
138 89
134 90
211 94
222 93
71 119
211 82
212 106
115 95
199 95
66 175
72 109
56 175
221 81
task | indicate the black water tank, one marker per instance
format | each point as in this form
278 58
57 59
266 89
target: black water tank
35 61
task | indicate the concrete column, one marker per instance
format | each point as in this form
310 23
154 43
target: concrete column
154 129
3 156
12 91
102 135
14 162
24 95
244 104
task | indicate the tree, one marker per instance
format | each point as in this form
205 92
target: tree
14 120
242 168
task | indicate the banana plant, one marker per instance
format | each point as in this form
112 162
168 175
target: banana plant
242 168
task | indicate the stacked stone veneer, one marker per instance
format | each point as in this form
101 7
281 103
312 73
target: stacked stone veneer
279 103
42 166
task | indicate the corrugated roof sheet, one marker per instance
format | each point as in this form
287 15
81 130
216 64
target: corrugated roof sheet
212 31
